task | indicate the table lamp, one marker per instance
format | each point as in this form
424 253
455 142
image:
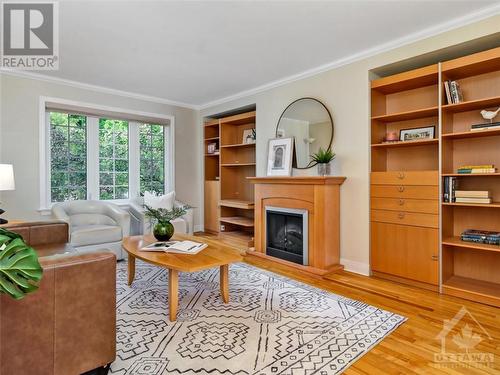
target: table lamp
6 183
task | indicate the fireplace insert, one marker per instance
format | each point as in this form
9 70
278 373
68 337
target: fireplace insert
286 234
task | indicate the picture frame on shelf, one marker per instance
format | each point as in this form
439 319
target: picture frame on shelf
280 156
211 148
417 134
249 136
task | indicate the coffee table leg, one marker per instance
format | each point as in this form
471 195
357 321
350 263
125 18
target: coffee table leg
131 269
173 293
224 282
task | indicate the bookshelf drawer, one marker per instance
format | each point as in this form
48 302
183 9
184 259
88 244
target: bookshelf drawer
402 191
405 251
405 218
429 178
425 206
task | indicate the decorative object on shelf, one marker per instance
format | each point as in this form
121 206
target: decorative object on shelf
211 148
417 134
6 183
280 157
323 158
163 230
310 122
481 236
490 115
20 270
249 136
476 169
391 137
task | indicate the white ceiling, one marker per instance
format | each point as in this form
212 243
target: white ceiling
200 52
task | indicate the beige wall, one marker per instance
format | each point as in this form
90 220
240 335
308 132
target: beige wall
345 91
19 139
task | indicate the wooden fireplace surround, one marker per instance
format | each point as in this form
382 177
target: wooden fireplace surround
320 196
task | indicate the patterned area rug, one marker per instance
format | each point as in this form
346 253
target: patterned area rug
271 325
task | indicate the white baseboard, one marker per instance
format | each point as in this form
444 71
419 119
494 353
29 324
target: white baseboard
199 228
356 267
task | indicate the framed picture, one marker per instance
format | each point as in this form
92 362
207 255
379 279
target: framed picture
280 157
417 134
249 136
211 148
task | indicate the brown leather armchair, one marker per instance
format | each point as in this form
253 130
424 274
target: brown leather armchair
68 326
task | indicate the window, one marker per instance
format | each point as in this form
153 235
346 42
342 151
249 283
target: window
68 142
102 157
152 141
113 159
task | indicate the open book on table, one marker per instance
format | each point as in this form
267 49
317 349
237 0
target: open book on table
177 247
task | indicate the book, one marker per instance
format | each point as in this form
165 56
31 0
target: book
485 125
473 200
476 166
446 190
476 170
176 247
472 194
485 128
481 236
447 90
450 185
456 93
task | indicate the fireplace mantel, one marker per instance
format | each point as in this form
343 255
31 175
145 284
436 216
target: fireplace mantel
320 196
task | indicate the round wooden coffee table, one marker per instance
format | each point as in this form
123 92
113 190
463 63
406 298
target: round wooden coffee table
215 255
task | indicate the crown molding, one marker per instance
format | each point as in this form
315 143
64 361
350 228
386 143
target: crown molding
86 86
455 23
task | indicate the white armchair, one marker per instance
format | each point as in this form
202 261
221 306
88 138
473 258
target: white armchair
94 225
140 224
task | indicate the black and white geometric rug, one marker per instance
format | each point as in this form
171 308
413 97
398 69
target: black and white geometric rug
272 325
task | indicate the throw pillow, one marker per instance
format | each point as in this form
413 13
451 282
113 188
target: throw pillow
159 201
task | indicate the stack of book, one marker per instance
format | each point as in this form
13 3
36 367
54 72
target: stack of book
449 188
471 196
486 126
453 92
475 169
481 236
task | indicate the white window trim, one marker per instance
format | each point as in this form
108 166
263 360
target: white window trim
93 155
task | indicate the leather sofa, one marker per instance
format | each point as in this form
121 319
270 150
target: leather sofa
67 326
94 225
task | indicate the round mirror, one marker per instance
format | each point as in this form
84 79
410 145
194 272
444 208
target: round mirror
310 123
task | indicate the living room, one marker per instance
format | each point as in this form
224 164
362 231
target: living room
332 166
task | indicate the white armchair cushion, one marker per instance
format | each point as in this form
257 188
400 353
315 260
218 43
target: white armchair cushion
159 201
84 235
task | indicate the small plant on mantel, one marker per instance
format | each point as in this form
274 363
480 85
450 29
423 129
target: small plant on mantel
323 158
163 229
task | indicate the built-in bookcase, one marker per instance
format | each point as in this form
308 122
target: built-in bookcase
406 195
471 270
229 196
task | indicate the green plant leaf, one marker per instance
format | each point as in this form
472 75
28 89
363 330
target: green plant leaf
19 266
323 156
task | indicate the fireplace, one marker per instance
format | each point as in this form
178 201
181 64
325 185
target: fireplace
287 234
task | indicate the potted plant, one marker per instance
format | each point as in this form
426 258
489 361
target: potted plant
163 229
19 266
323 158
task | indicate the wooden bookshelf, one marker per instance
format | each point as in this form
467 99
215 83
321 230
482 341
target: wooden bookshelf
470 270
404 179
236 162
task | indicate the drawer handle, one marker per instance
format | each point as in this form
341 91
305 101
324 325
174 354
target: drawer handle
401 202
435 257
401 175
401 189
401 215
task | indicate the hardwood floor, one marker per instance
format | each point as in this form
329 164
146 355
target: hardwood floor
412 347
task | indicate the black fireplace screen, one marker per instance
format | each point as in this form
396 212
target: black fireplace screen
285 236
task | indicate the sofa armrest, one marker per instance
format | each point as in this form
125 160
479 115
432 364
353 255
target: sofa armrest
121 217
59 213
187 217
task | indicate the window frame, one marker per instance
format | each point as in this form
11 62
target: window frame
93 114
